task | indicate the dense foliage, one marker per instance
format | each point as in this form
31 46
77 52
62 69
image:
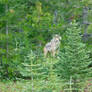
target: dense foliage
74 59
27 25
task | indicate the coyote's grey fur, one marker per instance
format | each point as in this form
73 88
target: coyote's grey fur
52 46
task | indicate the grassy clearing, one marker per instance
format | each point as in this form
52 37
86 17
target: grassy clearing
25 86
10 86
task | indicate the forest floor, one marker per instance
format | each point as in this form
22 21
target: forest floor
10 86
21 86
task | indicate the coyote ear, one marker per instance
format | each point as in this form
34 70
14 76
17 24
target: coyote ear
55 35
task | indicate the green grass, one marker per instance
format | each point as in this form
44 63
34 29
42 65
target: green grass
25 86
10 86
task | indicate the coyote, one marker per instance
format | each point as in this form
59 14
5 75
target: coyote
52 46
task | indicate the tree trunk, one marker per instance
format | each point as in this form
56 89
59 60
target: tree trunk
6 7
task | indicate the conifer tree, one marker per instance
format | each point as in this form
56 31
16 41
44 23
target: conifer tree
74 60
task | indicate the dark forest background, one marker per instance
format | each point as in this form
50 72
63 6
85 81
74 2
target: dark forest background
27 25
